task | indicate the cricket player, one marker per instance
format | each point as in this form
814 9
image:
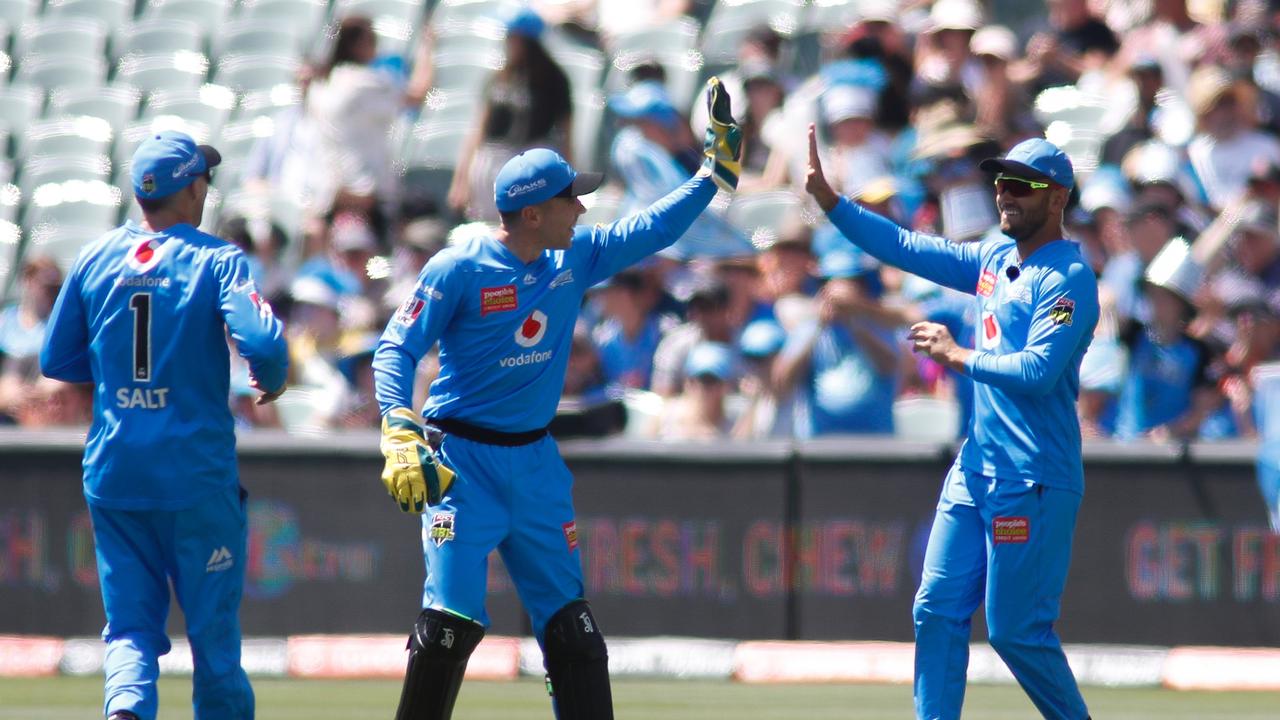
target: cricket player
503 309
1003 527
144 315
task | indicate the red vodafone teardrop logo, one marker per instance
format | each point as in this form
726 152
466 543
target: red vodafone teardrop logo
532 329
146 254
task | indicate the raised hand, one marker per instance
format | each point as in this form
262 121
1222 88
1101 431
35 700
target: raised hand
815 183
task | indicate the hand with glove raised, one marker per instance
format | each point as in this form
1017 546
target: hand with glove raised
412 475
722 149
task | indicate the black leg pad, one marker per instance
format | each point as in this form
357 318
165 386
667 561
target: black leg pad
577 665
439 649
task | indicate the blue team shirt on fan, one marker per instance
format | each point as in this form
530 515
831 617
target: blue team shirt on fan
1159 383
1034 325
504 326
145 317
843 392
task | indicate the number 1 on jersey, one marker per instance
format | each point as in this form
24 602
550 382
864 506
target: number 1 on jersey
140 304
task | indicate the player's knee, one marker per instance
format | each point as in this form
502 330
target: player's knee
572 635
440 636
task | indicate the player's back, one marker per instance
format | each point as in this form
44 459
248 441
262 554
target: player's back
153 306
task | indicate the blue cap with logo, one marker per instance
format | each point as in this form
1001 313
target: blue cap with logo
1035 159
167 162
645 100
537 175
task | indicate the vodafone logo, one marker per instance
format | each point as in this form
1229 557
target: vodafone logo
145 254
532 330
990 331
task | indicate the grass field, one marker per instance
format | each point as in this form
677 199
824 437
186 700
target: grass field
80 699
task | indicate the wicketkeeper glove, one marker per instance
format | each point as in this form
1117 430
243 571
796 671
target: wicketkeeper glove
722 148
412 475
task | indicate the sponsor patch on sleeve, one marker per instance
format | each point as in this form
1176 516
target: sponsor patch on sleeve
410 310
1061 312
1010 530
497 299
571 534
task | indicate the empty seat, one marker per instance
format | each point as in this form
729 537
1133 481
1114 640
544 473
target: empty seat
449 11
434 145
209 13
251 37
464 70
266 103
79 136
128 140
759 214
210 105
674 37
62 241
585 69
43 170
113 12
19 105
151 36
118 105
164 71
245 73
15 12
729 23
66 36
307 16
55 71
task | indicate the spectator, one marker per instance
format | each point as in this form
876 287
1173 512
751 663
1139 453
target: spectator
584 380
1167 391
418 241
353 106
526 104
843 365
699 413
766 413
284 162
263 243
1147 79
314 333
629 332
709 321
359 408
22 327
858 151
944 58
653 156
1075 43
998 101
1227 143
1149 228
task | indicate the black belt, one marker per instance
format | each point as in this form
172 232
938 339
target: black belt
484 435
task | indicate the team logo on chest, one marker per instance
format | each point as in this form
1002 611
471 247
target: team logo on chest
990 330
986 283
146 254
532 330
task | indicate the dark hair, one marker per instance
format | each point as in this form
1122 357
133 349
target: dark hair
548 87
767 38
235 230
351 31
509 218
155 205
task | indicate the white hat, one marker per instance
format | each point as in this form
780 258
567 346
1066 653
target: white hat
314 291
1175 270
841 102
954 15
1106 193
996 40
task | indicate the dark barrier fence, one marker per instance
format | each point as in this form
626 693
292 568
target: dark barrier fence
819 540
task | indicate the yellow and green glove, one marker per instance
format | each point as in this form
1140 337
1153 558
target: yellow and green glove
412 475
722 149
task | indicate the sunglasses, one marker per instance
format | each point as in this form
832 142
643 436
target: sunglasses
1018 187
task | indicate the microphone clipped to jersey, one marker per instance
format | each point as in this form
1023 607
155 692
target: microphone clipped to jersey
1012 272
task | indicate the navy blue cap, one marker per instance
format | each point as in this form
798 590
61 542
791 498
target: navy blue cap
527 23
537 175
168 161
1035 159
647 99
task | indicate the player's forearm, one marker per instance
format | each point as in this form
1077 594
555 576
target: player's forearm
1024 372
932 258
393 375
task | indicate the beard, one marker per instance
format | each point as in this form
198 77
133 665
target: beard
1026 223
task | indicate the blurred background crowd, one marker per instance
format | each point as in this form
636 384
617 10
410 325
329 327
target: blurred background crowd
361 137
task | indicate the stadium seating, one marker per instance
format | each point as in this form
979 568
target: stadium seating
72 37
163 71
112 12
251 37
208 104
19 105
55 71
152 36
249 72
15 12
77 136
306 17
208 13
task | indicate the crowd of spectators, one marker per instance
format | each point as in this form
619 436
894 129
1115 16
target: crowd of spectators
776 326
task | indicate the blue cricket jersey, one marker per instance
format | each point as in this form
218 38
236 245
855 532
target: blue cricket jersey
505 327
145 317
1031 335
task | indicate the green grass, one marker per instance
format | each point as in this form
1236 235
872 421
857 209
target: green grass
80 699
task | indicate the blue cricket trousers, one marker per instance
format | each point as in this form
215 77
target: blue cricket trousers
1008 543
201 550
517 500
